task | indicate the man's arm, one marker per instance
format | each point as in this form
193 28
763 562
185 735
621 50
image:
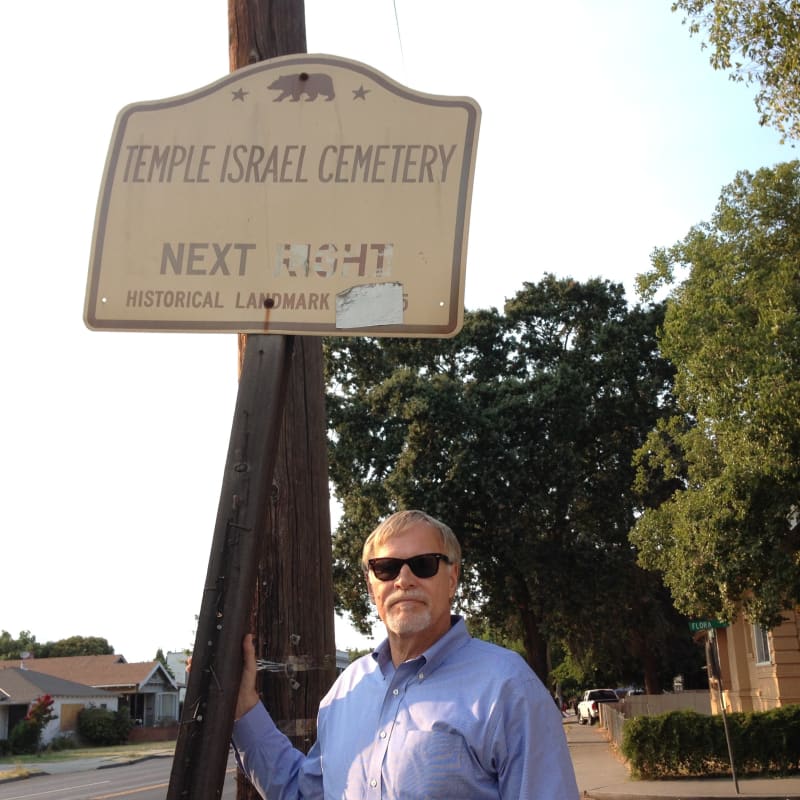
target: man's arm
276 769
536 763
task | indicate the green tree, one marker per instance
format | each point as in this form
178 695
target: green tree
519 433
77 646
11 649
40 714
728 464
162 659
758 43
26 736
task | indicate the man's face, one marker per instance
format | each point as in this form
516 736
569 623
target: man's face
410 606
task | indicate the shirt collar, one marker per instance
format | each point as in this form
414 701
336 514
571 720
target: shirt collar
455 638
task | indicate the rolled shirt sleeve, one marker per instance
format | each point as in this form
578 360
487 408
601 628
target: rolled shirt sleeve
277 770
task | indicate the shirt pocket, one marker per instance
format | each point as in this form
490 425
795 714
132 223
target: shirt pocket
431 765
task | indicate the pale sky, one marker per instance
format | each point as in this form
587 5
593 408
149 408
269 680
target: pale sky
604 133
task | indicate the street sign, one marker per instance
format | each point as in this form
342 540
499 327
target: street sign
705 624
307 194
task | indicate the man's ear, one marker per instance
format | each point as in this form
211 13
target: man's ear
454 572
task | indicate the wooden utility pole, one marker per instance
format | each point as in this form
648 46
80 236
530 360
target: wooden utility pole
201 752
285 568
292 613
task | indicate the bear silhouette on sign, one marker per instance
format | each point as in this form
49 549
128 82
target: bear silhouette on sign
312 85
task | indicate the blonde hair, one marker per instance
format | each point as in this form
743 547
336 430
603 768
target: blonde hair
399 522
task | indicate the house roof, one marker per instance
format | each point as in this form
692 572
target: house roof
19 686
109 672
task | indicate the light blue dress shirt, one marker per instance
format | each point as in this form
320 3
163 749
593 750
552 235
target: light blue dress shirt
467 720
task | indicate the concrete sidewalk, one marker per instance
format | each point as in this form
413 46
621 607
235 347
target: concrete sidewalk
602 775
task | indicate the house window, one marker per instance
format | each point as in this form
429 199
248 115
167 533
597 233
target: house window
167 706
761 643
68 716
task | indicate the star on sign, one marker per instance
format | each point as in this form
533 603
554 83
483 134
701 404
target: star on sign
360 93
239 94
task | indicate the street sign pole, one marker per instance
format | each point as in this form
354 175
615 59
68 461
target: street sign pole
713 663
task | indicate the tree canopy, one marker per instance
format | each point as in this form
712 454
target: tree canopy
12 649
518 433
757 42
729 462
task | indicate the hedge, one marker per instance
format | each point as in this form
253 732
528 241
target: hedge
685 743
102 727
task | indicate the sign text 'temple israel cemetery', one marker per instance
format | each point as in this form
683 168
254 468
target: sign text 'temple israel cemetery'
306 194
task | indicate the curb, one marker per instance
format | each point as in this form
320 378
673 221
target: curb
138 760
16 778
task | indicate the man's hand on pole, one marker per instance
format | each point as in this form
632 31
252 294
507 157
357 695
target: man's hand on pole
248 695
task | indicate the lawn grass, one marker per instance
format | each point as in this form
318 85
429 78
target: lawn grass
19 766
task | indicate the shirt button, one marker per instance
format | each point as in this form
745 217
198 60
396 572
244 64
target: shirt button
396 692
383 734
422 676
373 783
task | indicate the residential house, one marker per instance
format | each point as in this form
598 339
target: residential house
760 669
146 688
176 661
21 687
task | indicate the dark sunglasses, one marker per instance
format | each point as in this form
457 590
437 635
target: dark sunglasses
424 566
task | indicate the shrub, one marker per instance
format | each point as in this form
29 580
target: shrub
787 721
24 738
684 743
26 735
103 727
62 743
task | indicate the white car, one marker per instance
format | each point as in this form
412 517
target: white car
589 707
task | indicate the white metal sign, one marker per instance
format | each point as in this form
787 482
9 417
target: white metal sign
306 194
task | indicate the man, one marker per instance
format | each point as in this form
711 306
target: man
432 713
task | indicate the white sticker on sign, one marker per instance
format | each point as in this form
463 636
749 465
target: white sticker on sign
369 305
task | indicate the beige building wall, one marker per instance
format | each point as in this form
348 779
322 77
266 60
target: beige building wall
752 684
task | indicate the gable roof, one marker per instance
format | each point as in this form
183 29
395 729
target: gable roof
109 672
18 686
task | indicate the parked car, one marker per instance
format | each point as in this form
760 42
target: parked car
627 691
589 707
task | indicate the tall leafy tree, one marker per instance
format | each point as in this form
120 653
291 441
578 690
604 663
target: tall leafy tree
162 659
757 42
12 649
519 433
727 537
78 646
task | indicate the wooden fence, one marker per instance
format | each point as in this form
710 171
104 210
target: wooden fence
613 715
